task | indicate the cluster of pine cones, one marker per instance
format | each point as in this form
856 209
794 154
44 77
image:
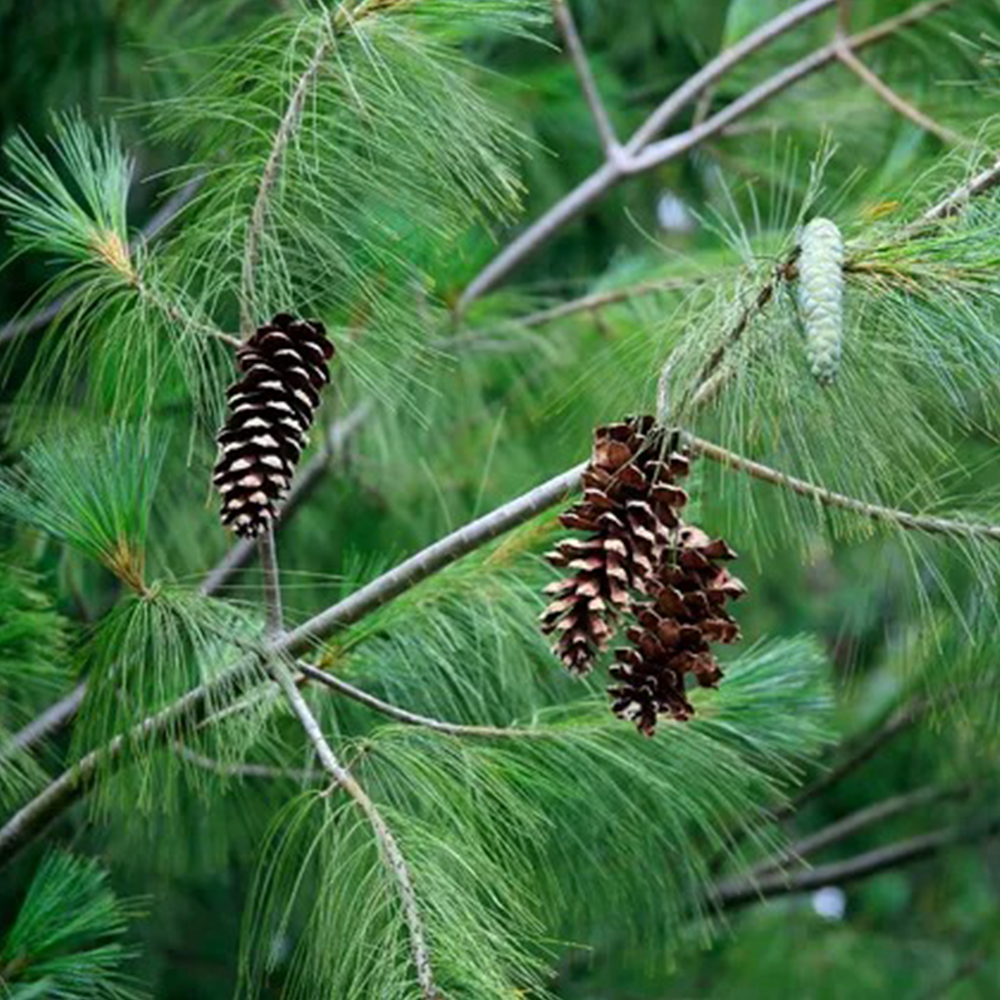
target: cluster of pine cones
640 561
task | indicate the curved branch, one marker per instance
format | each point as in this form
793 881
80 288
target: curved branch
337 21
391 851
269 177
733 893
412 718
894 100
828 498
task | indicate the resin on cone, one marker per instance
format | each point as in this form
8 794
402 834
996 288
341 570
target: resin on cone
284 367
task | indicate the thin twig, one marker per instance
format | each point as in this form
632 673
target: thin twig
928 524
412 718
854 823
736 892
581 64
962 195
275 621
389 846
641 155
897 102
170 209
269 177
262 771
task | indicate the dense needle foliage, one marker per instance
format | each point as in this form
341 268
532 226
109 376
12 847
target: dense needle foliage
402 795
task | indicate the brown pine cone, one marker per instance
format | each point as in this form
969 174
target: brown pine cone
674 632
285 366
629 509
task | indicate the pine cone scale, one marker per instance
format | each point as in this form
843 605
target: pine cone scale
284 366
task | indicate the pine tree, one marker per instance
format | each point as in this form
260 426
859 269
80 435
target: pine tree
360 768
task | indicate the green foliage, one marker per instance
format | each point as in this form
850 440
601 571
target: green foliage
532 817
149 651
66 941
355 153
354 170
33 640
92 491
124 331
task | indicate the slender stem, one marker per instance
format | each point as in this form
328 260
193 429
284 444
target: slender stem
269 177
585 303
262 771
894 100
337 21
856 822
962 195
733 893
391 852
272 583
828 498
412 718
581 64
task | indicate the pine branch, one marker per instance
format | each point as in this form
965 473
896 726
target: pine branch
15 328
338 20
581 65
640 154
855 822
894 100
955 202
261 771
731 894
269 177
65 790
61 714
22 828
412 718
828 498
390 849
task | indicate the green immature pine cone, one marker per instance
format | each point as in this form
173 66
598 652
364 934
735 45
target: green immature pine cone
821 297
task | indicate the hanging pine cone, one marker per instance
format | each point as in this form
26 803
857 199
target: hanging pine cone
674 632
629 508
285 365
